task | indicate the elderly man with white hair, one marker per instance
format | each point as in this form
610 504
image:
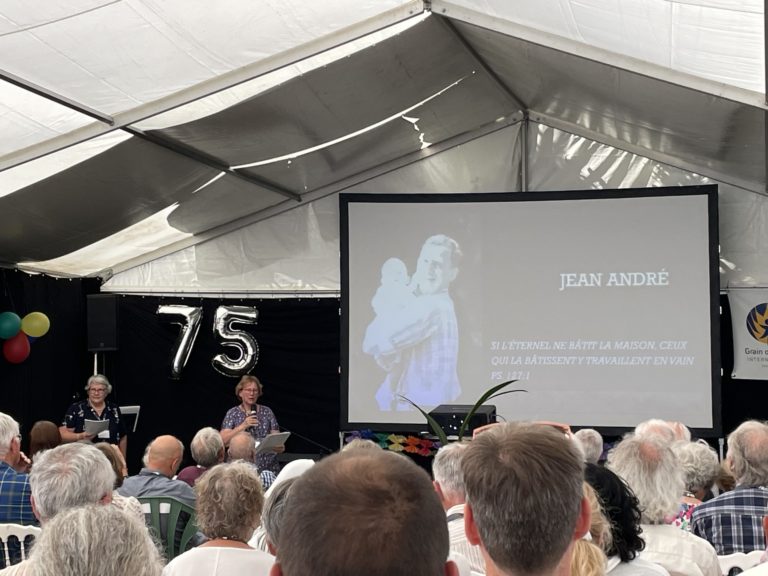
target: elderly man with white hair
449 485
649 467
63 478
207 450
15 507
591 443
733 522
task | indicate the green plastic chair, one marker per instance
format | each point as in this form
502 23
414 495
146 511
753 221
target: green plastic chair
171 521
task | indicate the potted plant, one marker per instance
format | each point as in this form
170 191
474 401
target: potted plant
491 393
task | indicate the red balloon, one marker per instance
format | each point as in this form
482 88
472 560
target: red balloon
16 349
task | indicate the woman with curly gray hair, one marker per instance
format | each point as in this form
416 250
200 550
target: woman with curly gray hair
229 504
700 466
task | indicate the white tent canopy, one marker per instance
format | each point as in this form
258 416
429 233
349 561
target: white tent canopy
178 146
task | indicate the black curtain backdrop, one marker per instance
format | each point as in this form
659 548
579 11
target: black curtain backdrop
298 365
41 387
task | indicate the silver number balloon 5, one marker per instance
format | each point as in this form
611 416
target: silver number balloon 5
243 342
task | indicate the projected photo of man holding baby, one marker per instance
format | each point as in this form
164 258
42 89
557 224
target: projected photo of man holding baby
414 337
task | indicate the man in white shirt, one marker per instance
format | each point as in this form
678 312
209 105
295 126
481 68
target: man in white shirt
449 485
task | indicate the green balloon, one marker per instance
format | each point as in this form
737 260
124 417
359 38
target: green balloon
10 324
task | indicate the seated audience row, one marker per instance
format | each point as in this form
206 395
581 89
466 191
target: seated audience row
520 499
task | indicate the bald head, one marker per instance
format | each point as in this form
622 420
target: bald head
164 454
242 447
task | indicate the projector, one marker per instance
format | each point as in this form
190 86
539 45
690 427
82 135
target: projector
450 417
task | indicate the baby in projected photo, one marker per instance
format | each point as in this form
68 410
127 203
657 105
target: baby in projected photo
415 336
393 294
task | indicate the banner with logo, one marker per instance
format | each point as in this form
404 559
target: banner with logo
749 315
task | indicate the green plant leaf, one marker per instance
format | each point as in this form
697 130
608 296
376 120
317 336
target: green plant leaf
490 393
505 392
436 428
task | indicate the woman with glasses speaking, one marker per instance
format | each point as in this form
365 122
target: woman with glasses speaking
95 408
255 419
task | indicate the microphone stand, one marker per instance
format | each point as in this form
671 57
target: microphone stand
325 449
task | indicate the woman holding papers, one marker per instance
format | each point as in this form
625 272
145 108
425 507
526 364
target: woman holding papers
96 418
256 419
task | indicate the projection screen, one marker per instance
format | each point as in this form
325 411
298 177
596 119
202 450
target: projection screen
602 304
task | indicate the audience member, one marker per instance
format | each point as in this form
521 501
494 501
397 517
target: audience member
525 505
360 443
229 503
94 541
15 507
207 450
162 459
272 517
44 435
682 432
725 481
128 504
622 510
733 522
589 552
700 469
66 477
243 447
661 430
292 469
591 444
650 468
368 512
449 484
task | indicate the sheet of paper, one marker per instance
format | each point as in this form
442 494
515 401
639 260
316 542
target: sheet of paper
271 441
97 427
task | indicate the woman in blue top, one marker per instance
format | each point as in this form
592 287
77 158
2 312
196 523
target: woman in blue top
256 419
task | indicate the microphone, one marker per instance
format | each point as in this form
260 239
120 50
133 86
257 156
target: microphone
251 428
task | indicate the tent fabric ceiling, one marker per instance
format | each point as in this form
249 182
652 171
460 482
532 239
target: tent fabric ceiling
720 40
130 59
674 123
223 114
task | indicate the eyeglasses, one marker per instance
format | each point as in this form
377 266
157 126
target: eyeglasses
251 391
100 390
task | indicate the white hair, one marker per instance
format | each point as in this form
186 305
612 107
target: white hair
748 453
699 463
69 475
95 541
682 432
650 468
656 428
9 429
446 469
206 447
99 379
591 444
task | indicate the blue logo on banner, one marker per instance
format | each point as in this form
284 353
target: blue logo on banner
757 323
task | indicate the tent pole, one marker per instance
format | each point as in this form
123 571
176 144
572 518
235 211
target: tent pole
524 152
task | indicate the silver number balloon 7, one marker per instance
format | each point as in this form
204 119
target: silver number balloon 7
190 325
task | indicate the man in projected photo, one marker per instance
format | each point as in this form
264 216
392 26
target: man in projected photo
415 336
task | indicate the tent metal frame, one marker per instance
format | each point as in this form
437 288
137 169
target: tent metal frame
414 8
